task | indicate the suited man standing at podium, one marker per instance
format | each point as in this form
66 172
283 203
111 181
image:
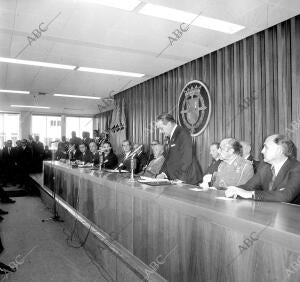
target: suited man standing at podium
180 161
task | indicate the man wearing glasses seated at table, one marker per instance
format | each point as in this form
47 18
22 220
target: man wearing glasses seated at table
234 169
153 168
278 178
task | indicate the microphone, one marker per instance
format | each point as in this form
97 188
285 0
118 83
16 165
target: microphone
135 151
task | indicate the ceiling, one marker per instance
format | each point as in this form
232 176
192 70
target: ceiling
92 35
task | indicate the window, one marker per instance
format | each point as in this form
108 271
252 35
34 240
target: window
48 128
78 124
9 128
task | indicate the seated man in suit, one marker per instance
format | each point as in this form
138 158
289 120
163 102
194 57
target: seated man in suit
234 169
247 154
109 159
153 168
95 154
214 152
74 154
86 156
278 178
141 156
151 154
124 159
213 167
180 160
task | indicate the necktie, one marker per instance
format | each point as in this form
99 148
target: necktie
273 179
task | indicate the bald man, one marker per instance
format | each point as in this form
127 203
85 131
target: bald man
278 178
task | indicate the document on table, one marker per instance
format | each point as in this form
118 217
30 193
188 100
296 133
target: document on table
150 179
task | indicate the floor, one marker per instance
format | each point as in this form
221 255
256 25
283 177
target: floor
40 251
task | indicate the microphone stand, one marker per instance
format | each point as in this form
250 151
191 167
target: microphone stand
55 216
131 179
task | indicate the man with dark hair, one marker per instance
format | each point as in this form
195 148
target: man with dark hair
246 148
180 160
8 162
62 149
278 178
214 152
86 155
233 170
74 140
38 154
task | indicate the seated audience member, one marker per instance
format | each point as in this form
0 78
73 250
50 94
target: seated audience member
214 152
74 154
153 168
109 159
246 147
47 154
124 160
233 170
62 149
86 156
75 140
152 145
277 178
141 156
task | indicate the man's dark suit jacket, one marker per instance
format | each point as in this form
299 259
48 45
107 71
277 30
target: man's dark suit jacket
213 167
87 157
180 160
255 163
110 161
127 163
286 187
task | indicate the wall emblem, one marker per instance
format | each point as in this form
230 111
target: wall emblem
194 107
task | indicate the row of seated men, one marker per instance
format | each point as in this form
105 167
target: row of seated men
63 148
275 178
105 156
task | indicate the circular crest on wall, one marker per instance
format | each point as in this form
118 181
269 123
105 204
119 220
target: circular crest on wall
194 107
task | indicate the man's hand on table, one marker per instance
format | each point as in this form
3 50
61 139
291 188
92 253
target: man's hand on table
233 192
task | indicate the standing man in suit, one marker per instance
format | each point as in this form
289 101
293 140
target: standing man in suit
38 154
24 163
276 180
180 160
8 162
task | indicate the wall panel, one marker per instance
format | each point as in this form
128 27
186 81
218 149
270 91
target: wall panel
263 69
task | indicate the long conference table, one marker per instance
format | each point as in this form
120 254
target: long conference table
183 234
